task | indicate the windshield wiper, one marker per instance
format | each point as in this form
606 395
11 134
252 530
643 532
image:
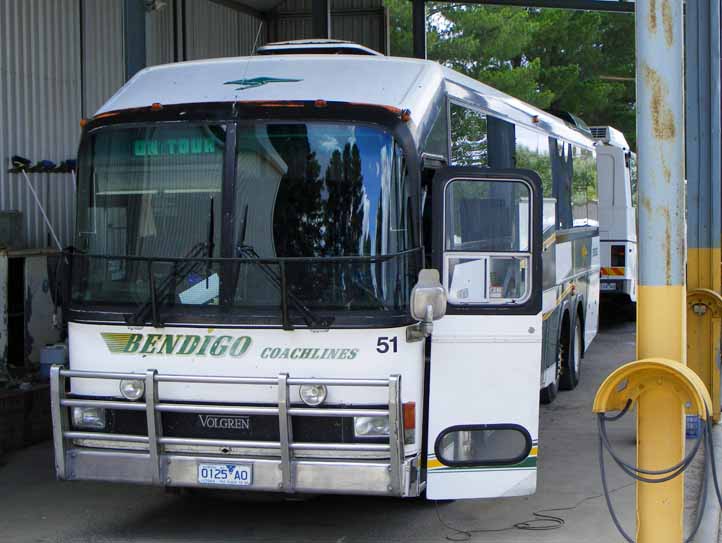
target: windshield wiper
210 243
279 281
180 272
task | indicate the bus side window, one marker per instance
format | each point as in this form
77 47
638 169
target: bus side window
584 188
561 155
437 142
469 136
532 152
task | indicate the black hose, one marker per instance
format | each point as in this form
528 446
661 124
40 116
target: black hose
633 471
670 472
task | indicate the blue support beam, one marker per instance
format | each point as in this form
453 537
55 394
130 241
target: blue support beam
134 19
321 18
704 143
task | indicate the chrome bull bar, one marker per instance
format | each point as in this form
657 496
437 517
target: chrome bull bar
157 460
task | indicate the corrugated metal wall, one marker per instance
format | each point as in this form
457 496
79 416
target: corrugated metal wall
45 89
213 30
103 52
360 21
160 29
40 105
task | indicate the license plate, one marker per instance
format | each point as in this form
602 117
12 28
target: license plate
225 474
608 286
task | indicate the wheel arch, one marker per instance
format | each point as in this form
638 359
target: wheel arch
579 313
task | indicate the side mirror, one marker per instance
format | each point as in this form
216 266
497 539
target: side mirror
428 303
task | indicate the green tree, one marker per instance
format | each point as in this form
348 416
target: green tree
581 62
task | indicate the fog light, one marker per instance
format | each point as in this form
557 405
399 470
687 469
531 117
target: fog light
89 418
313 395
371 426
132 389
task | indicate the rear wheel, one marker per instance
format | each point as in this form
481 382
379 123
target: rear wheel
572 363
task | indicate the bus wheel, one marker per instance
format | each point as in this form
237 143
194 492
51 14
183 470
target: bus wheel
549 392
572 365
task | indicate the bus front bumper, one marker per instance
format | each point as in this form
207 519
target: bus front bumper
281 466
181 470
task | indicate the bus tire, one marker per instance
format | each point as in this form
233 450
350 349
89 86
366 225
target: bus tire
548 394
572 362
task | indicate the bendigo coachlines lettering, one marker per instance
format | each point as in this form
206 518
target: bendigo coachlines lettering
300 353
215 346
184 345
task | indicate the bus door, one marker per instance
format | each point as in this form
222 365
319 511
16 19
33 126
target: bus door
486 352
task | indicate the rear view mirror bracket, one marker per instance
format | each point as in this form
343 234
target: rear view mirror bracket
428 303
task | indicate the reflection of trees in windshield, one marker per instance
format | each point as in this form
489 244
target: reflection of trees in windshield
322 213
315 214
299 213
345 219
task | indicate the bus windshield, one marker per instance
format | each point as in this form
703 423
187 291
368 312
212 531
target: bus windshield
312 216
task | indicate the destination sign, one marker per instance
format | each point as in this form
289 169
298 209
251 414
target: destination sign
174 146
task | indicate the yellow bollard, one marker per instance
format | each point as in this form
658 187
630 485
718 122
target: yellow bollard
664 391
660 419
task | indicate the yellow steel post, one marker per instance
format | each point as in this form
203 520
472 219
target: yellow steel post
661 327
660 416
704 192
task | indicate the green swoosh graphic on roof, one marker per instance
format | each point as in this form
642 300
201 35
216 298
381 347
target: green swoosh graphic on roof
259 82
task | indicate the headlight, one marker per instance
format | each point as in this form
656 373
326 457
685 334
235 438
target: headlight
89 418
313 395
371 426
132 389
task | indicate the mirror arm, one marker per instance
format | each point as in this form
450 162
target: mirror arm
422 329
427 325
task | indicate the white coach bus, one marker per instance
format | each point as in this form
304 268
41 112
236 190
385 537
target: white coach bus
317 273
617 216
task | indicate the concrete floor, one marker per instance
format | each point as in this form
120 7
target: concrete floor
36 508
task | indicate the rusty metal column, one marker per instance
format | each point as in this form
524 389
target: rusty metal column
704 194
661 320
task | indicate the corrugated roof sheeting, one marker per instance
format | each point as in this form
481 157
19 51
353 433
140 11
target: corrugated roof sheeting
368 29
103 52
39 108
213 30
360 21
336 5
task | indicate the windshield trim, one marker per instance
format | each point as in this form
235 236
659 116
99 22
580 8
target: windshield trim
392 125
